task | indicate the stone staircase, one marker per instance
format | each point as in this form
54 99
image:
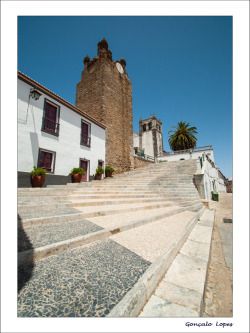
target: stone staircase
82 247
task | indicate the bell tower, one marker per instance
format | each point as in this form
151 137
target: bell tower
105 92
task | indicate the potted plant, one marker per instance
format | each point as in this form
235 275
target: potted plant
38 176
77 174
108 171
99 173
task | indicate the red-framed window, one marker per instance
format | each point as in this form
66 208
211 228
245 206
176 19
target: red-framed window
46 160
85 134
51 118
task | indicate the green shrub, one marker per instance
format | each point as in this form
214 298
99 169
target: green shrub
99 170
109 168
38 171
80 171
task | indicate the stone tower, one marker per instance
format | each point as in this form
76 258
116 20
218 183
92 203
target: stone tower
105 92
150 136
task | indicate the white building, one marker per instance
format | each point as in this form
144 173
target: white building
55 135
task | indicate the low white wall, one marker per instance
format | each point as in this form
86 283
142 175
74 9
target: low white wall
187 155
67 145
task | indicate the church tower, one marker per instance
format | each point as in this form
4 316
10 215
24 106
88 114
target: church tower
105 92
149 141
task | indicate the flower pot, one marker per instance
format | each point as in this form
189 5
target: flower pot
38 181
76 177
108 173
98 176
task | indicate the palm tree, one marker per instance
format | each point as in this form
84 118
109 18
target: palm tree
183 137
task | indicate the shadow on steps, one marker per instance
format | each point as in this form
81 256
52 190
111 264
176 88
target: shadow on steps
24 243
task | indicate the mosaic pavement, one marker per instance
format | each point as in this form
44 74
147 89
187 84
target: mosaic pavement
85 282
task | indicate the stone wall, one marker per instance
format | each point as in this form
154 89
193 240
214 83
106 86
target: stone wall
105 92
229 186
140 162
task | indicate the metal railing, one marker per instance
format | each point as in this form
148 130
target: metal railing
50 126
145 157
85 140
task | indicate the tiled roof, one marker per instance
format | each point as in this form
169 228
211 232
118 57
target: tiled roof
58 98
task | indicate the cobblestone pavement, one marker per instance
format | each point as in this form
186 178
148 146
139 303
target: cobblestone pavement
85 282
219 291
51 233
46 212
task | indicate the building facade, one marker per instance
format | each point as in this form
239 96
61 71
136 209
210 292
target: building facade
105 93
55 135
149 141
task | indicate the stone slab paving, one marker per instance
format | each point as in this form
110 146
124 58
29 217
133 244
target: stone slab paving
52 233
85 282
180 293
151 240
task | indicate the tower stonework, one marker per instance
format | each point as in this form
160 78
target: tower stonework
150 136
105 92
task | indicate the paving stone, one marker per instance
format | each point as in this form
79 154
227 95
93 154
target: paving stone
183 296
86 282
201 234
158 307
187 272
47 212
196 249
52 233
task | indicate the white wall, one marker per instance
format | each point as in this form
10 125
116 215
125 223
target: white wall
66 145
208 179
136 140
147 143
187 155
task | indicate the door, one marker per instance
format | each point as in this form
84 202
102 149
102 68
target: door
84 166
100 163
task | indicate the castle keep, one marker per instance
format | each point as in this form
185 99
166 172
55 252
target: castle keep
105 92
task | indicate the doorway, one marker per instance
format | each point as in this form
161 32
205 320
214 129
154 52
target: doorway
84 164
101 164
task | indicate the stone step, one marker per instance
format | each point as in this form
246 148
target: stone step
35 200
45 217
89 203
171 298
92 280
55 238
181 290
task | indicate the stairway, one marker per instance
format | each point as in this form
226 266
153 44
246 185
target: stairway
83 247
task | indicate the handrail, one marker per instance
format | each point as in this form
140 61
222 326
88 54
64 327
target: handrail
50 126
145 157
85 140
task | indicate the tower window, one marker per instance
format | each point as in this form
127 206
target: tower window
150 126
144 127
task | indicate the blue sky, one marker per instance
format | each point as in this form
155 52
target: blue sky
180 67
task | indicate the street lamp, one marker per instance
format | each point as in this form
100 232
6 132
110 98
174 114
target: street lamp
35 94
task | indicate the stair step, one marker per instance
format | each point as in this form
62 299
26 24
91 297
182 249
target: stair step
90 281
